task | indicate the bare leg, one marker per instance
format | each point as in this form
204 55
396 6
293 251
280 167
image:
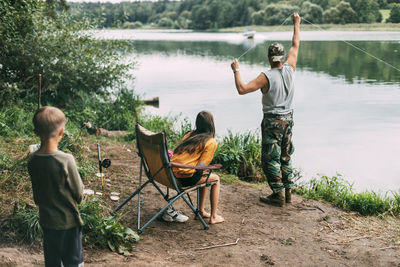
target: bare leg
214 196
203 194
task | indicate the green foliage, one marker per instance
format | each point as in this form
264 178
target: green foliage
341 14
166 23
101 231
339 192
98 231
240 154
275 14
132 25
16 121
216 14
367 10
24 222
312 12
394 14
173 132
73 63
117 113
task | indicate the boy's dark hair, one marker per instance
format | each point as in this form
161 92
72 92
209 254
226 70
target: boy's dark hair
197 139
48 121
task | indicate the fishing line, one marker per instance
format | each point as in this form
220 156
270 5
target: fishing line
356 47
248 50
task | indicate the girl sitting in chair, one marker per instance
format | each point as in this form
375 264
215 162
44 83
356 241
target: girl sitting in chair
197 148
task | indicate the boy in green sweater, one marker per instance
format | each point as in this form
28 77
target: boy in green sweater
57 190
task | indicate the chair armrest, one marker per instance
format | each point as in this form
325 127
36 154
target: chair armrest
184 166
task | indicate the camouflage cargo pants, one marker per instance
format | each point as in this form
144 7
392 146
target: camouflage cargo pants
277 148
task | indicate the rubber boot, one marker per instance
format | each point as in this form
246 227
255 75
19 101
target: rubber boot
277 199
288 195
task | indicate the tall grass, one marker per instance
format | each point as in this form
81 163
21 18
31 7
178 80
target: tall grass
174 127
339 192
99 230
240 154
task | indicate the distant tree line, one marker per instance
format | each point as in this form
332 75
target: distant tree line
214 14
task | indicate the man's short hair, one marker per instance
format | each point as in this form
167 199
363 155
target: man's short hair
48 121
276 52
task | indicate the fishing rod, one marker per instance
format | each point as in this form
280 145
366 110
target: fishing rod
248 50
354 46
39 90
102 163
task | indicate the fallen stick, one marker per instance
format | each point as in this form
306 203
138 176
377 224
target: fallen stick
319 208
218 246
388 247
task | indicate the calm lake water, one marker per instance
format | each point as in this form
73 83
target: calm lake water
347 104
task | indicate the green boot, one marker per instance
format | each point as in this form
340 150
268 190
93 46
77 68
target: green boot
277 198
288 195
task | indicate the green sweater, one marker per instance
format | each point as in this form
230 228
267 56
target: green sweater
57 189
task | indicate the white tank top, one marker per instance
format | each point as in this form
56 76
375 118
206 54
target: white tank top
278 99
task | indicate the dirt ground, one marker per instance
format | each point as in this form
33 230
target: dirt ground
305 233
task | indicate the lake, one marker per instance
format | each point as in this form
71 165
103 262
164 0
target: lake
347 103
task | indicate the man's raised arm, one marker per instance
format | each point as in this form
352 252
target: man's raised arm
292 58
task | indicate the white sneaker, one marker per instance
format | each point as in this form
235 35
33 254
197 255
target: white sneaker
171 215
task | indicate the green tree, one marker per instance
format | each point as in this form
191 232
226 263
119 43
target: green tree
200 18
275 14
257 18
395 14
74 65
367 10
312 12
341 14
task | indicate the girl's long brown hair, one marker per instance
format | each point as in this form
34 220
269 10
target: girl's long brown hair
197 138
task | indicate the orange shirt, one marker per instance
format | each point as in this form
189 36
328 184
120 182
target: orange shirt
206 155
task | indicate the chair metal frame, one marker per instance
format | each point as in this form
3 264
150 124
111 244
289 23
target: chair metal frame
171 182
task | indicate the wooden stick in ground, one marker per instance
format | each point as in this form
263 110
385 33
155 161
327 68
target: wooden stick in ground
40 90
218 246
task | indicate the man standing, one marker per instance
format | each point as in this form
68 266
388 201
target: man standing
277 87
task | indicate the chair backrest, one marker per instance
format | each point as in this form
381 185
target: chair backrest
152 149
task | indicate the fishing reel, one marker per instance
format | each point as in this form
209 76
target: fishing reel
103 163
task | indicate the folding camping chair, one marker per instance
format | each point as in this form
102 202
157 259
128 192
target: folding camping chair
154 159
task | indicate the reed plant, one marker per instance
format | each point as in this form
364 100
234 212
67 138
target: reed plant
339 192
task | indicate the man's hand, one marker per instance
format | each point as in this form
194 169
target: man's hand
235 64
296 19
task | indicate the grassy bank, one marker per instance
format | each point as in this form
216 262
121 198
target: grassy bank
238 152
339 192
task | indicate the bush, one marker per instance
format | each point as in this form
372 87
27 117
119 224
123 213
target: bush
98 230
394 14
132 25
312 12
173 132
101 231
275 14
240 154
341 14
74 64
257 18
24 222
166 23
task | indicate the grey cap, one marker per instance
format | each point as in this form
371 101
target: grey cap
276 52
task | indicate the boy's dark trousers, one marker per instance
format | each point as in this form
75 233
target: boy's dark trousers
62 247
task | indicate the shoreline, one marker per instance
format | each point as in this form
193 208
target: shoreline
277 28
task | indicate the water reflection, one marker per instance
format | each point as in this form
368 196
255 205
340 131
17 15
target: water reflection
347 118
335 58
